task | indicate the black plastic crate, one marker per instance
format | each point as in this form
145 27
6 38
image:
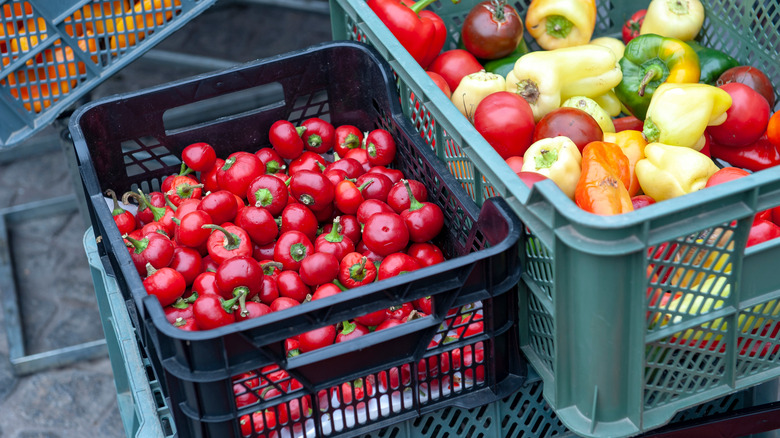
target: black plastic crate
134 140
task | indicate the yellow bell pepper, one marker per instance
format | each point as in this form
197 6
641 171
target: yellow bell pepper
547 78
670 171
475 87
557 158
561 23
681 19
679 113
633 145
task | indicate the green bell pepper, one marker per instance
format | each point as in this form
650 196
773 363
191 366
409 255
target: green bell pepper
650 60
712 62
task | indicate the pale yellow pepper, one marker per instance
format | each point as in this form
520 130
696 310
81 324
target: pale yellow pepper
561 23
679 113
547 78
557 158
668 171
681 19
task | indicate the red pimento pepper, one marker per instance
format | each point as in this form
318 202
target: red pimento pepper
239 170
227 242
274 163
348 137
124 220
395 264
348 196
166 284
355 270
334 242
184 187
381 147
199 157
312 189
190 231
423 219
239 277
308 160
153 248
292 247
421 32
211 311
318 136
269 192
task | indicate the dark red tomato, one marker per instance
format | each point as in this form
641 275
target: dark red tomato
220 206
371 207
746 119
239 170
317 338
385 233
299 217
286 139
312 189
199 157
292 286
506 120
640 201
574 123
319 268
453 65
274 163
319 135
258 223
633 24
492 30
398 196
426 254
753 78
378 188
348 137
440 82
269 192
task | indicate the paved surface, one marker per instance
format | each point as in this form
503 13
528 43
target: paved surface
55 288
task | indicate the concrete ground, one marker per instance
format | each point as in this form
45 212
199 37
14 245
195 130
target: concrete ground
54 287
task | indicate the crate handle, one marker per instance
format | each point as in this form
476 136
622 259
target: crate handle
236 104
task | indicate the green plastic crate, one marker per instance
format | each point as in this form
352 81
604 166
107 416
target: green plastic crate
143 409
609 371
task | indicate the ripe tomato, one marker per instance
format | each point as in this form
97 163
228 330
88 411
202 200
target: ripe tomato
570 122
492 30
726 174
633 24
453 65
441 83
507 123
746 119
761 231
752 77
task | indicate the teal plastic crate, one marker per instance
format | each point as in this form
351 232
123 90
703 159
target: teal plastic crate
588 280
53 52
140 399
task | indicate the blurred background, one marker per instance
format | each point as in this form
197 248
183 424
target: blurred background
48 276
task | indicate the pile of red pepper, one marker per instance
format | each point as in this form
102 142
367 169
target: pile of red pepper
225 240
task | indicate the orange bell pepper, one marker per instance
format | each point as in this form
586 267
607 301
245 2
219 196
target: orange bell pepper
633 144
602 188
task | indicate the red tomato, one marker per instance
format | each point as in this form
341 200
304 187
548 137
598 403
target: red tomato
574 123
640 201
507 123
492 30
726 174
441 83
761 231
453 65
746 119
515 163
753 78
633 24
530 178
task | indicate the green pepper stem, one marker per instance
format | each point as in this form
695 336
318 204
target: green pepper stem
117 210
334 236
241 293
347 327
229 305
232 241
138 245
184 169
365 184
168 202
157 212
421 4
653 72
414 204
150 270
339 285
269 266
358 271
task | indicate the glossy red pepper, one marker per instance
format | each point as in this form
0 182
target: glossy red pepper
381 147
212 311
334 242
190 231
258 223
312 189
308 160
395 264
153 248
758 156
291 247
423 219
227 242
239 276
239 170
348 137
184 187
166 284
421 32
355 270
319 135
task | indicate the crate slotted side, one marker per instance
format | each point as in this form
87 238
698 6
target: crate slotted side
721 292
130 141
53 52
